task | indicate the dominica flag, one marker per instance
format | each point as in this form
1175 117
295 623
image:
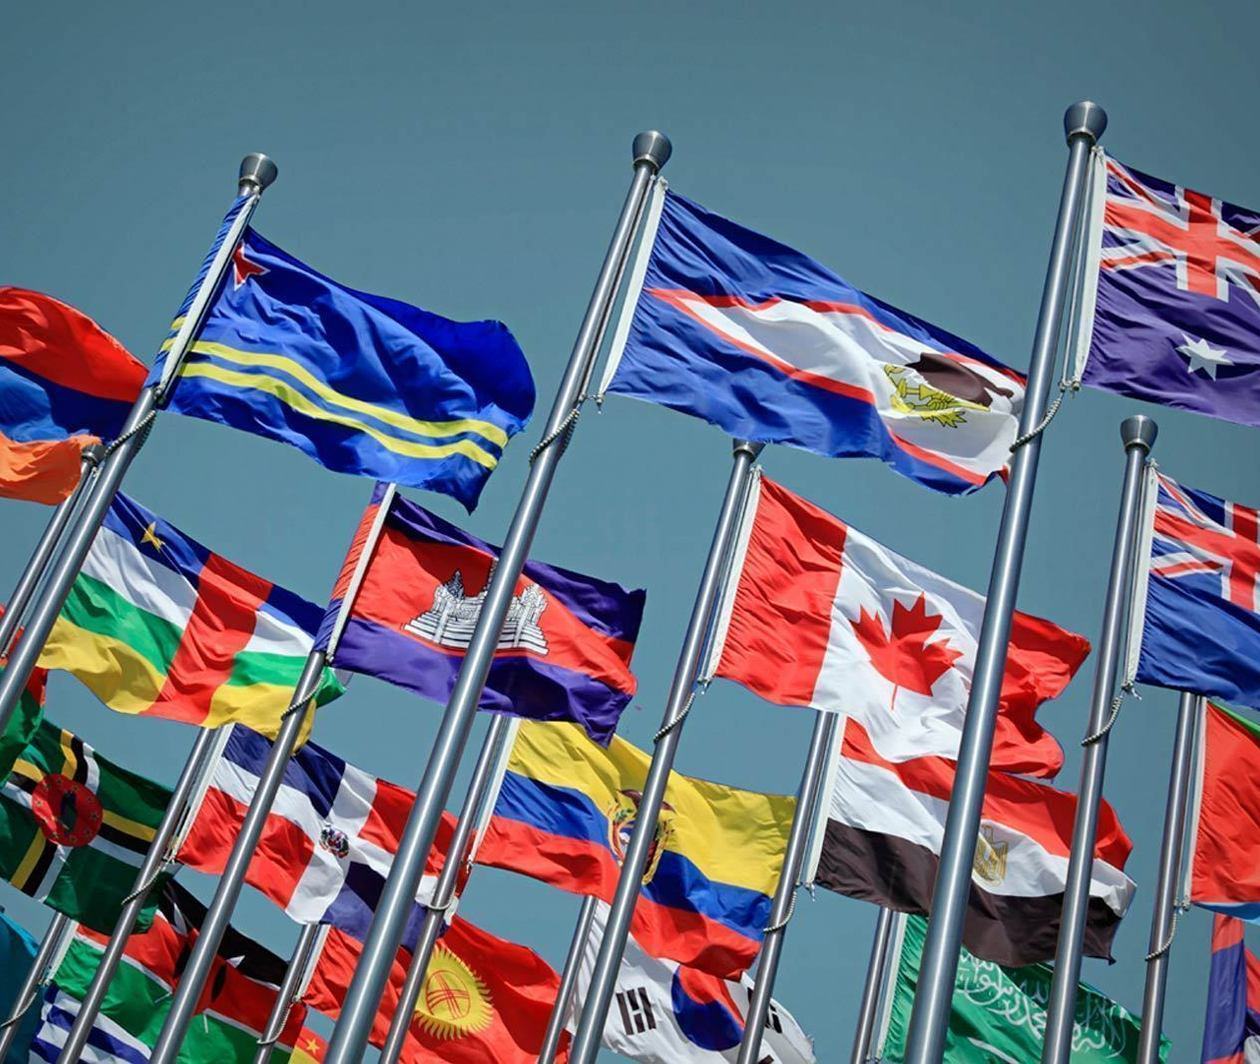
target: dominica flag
157 624
74 827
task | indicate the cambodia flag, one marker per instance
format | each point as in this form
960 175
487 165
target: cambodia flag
1231 1031
65 383
564 651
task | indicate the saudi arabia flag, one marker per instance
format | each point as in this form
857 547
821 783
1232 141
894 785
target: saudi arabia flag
75 827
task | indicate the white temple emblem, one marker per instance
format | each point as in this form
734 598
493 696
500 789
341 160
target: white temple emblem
453 616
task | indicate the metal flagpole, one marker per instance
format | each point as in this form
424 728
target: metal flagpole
199 760
872 991
1083 123
294 976
28 992
37 564
1138 434
681 693
1164 919
444 892
568 982
256 173
651 150
807 797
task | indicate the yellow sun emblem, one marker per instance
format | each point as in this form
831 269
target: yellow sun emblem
453 1001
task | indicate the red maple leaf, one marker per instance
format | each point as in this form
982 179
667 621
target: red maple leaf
906 658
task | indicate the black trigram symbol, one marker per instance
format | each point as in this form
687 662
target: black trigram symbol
636 1011
773 1023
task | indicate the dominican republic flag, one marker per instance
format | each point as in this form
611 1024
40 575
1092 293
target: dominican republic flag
409 596
329 840
1170 311
880 840
1197 614
1231 1030
817 614
665 1013
762 341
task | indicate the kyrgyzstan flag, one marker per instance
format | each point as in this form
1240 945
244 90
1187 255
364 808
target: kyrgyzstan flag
818 614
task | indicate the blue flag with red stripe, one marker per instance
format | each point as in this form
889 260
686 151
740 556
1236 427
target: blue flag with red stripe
1231 1030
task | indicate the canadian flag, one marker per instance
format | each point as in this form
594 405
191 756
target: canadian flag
817 614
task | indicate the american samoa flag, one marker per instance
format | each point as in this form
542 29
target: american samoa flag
754 337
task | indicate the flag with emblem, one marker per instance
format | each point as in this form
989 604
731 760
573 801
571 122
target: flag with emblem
1170 311
360 383
75 827
879 839
483 998
157 624
310 1048
1231 1029
564 814
1197 611
666 1013
817 614
730 326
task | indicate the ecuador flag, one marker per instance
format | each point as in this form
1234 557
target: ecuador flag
158 624
564 814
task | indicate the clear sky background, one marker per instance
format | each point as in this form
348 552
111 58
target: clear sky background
471 158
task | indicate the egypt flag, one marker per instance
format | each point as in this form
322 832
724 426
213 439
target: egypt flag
156 624
732 327
74 827
1231 1030
880 841
483 998
409 596
818 614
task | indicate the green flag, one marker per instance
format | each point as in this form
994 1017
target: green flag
27 714
74 827
999 1014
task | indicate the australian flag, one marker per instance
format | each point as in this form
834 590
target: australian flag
1201 630
1176 313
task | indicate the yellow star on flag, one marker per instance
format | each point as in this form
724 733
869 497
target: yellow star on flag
151 536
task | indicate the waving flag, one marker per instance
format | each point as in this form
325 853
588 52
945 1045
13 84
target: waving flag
1231 1030
1171 312
563 654
25 721
157 624
1197 618
17 952
752 336
65 383
329 839
361 383
565 812
818 614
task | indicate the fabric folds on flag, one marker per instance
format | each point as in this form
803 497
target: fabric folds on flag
360 383
65 383
818 614
25 721
564 814
74 827
17 951
157 624
756 338
1231 1029
564 652
881 836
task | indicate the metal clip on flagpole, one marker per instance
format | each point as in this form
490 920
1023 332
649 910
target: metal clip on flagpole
807 797
36 976
294 976
1138 434
256 173
568 982
1083 124
651 150
604 978
1163 920
873 989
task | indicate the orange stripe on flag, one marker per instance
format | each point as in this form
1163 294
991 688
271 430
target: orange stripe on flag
45 471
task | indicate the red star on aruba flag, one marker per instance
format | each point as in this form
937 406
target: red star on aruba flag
244 268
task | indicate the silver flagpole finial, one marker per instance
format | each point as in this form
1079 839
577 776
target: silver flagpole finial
257 172
1138 430
1085 117
652 147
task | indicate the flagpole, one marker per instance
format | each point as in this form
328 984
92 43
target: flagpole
568 981
37 564
651 151
807 797
195 767
294 976
448 881
872 991
28 992
1164 919
681 693
1083 123
1138 434
256 173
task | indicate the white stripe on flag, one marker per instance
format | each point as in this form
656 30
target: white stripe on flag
147 585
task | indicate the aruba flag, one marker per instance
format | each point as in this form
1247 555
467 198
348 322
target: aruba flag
1231 1031
564 814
